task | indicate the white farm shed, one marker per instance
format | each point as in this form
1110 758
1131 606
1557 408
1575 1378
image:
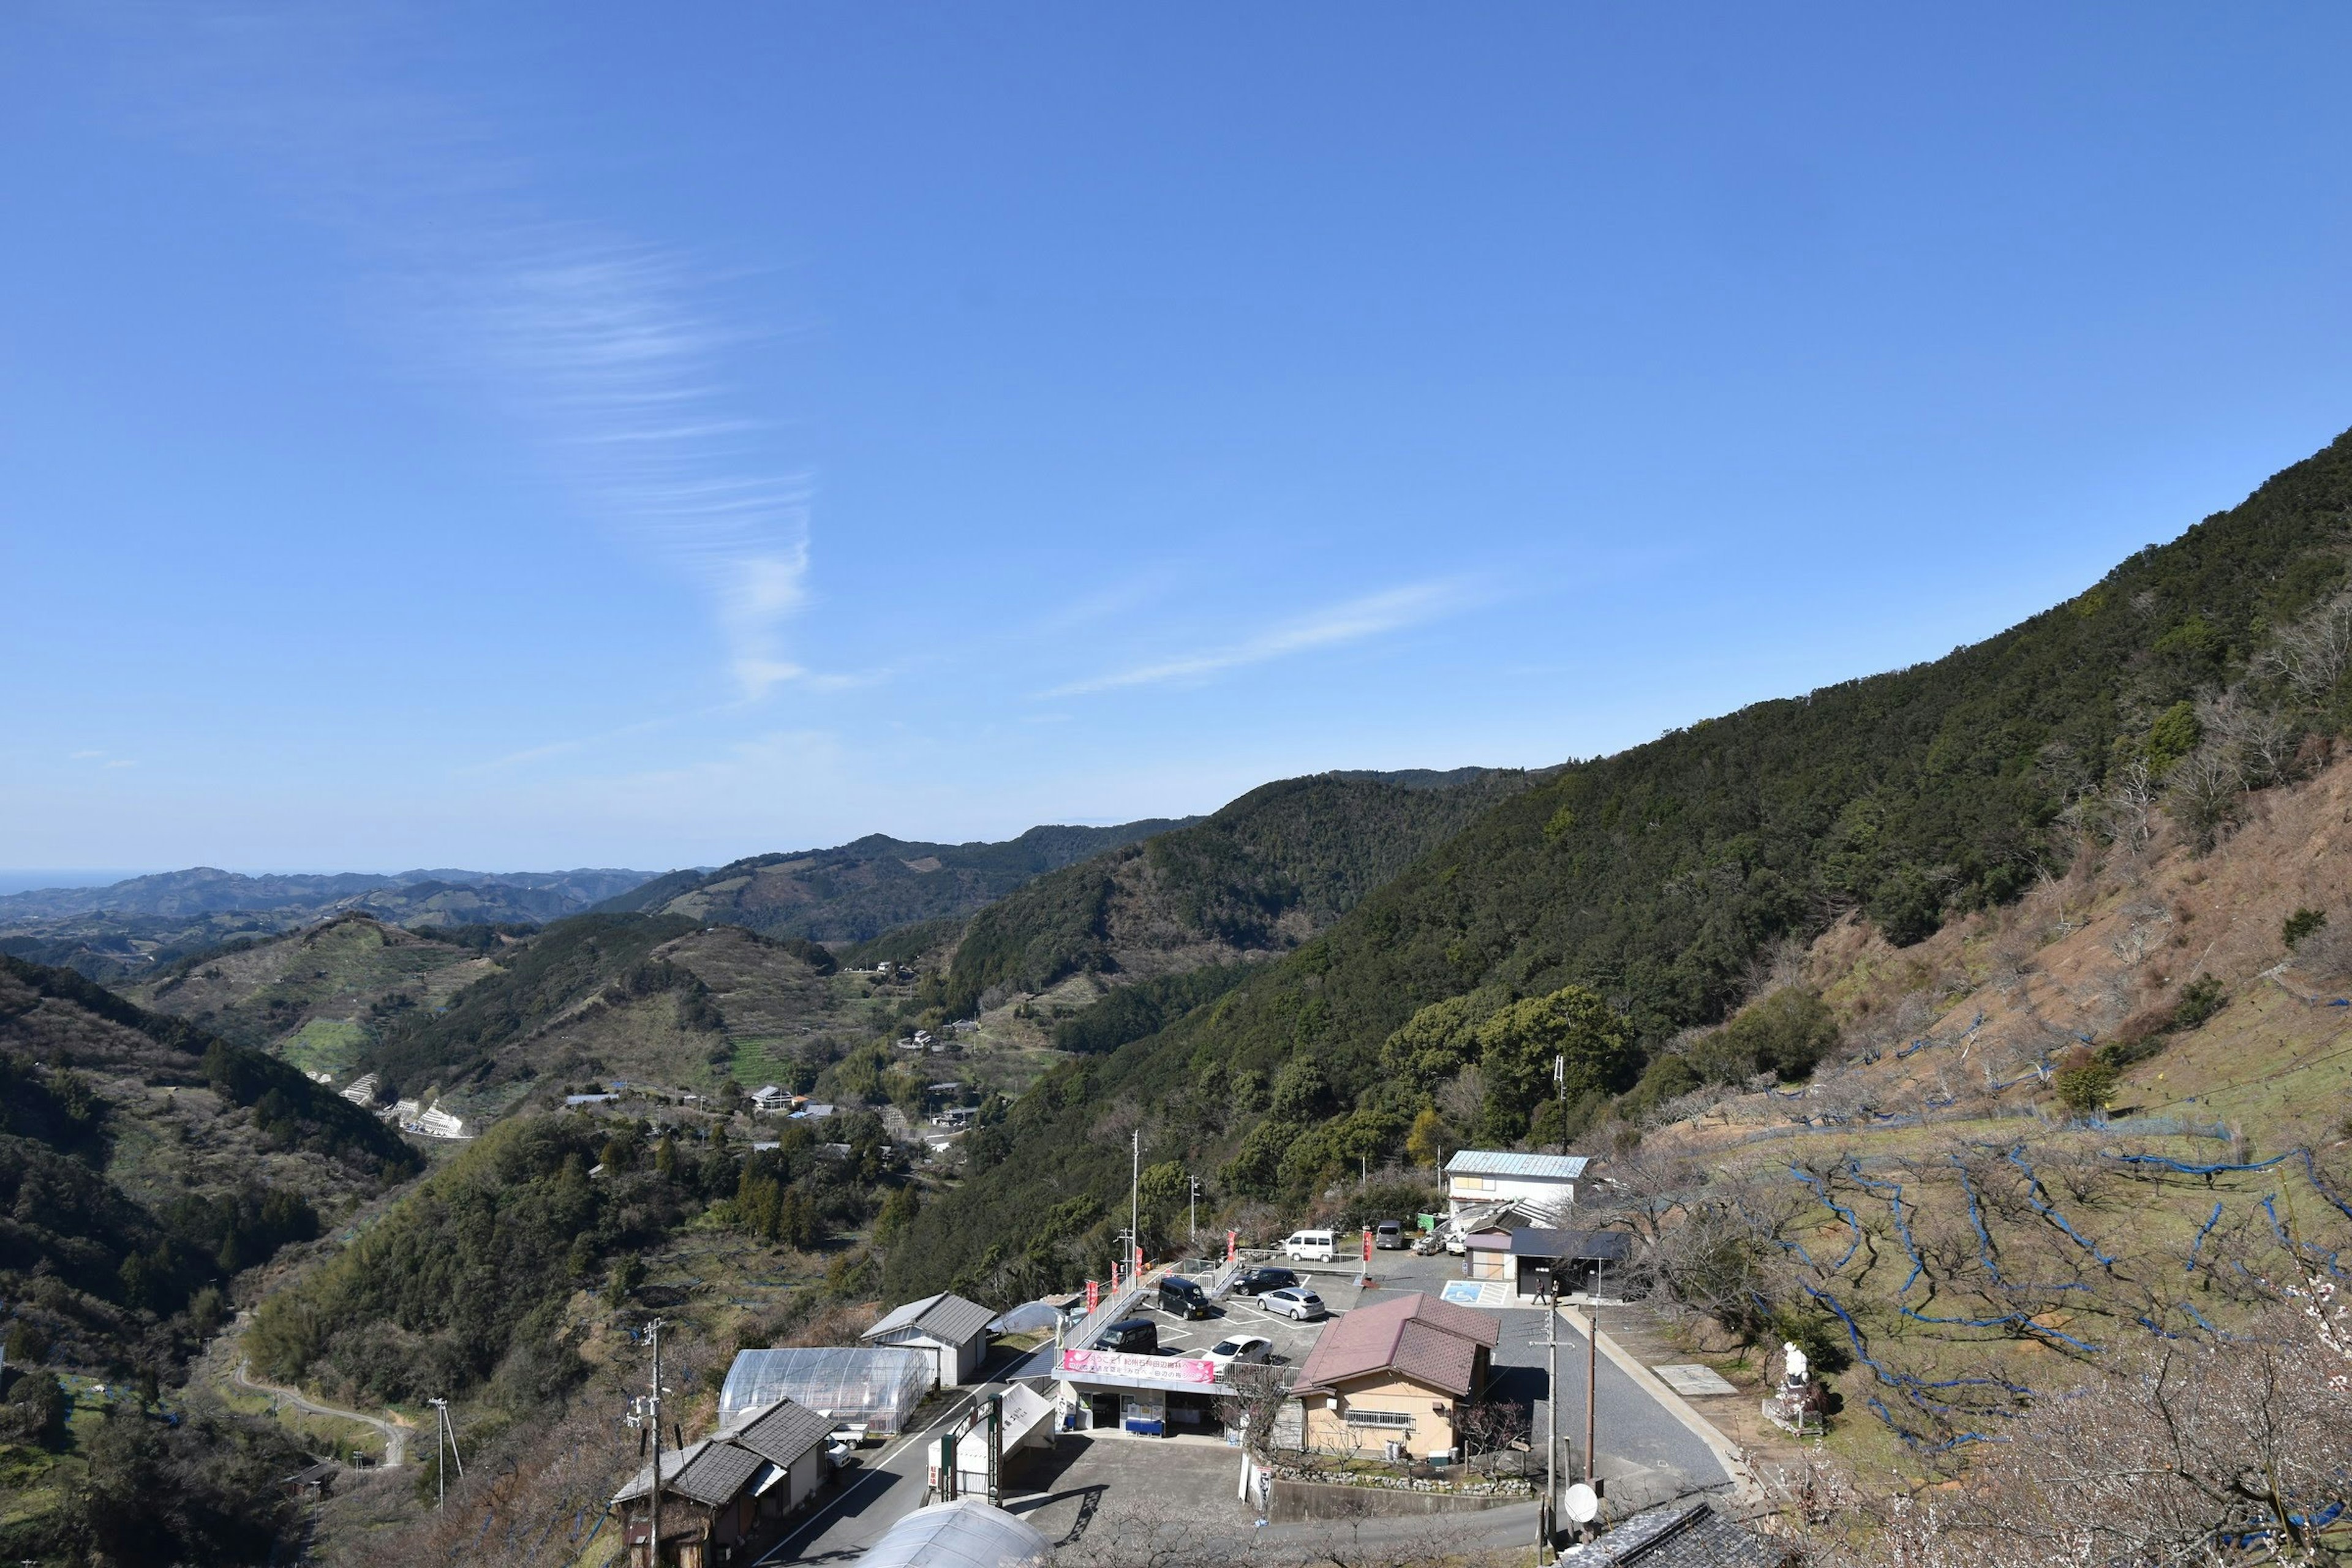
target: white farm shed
1546 1182
955 1331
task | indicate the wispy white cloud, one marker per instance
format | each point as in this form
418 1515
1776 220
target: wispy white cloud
602 347
611 350
1331 626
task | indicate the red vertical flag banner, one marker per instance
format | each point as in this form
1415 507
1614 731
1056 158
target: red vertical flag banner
1368 1243
1232 1242
1094 1294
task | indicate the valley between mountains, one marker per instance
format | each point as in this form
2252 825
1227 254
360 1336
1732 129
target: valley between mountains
1982 1027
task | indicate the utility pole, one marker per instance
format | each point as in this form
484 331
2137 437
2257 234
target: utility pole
1192 1220
653 1543
1135 1203
1552 1421
1559 1082
1592 1355
445 1431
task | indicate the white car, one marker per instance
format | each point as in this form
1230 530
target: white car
1298 1303
1239 1349
1454 1243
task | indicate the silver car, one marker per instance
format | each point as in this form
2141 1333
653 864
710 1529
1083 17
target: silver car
1298 1303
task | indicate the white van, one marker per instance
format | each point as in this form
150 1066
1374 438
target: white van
1308 1247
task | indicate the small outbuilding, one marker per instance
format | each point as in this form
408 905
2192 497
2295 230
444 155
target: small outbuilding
952 1330
1480 1177
1395 1373
722 1498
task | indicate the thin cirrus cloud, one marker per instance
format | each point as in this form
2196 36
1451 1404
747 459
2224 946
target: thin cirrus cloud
608 350
603 350
1355 620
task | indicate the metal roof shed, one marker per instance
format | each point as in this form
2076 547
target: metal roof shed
878 1386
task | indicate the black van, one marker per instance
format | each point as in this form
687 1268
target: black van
1136 1336
1182 1298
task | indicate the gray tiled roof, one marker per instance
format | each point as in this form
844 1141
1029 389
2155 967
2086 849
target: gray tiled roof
717 1474
782 1433
947 1318
1680 1535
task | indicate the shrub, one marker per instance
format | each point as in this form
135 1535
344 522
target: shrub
2300 925
2084 1082
2199 1000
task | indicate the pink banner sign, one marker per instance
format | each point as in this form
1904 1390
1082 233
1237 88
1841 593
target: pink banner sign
1118 1363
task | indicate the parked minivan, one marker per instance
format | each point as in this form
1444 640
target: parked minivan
1389 1236
1308 1247
1135 1336
1182 1298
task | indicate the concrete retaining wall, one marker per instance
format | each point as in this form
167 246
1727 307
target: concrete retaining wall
1296 1500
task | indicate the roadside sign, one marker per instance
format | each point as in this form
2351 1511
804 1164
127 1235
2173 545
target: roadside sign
1367 1244
1118 1363
1094 1294
1232 1243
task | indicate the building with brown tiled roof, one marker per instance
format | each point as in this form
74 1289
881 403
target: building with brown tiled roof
1396 1372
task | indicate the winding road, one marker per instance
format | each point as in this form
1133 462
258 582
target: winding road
395 1435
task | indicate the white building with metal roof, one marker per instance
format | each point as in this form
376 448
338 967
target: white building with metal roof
950 1330
1478 1178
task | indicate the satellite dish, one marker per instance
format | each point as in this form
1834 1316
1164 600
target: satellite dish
1583 1503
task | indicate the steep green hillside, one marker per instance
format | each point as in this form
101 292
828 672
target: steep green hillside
317 997
659 999
859 891
1657 877
1260 875
144 1165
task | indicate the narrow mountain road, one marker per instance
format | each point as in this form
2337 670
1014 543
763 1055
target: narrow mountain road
395 1435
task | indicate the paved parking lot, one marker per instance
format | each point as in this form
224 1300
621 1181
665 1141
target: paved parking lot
1097 1481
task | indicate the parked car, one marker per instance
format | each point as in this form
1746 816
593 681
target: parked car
1240 1349
1310 1247
1182 1298
1388 1235
1135 1336
1455 1244
1259 1282
1428 1242
1298 1303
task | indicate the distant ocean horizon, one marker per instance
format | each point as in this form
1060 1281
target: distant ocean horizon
14 880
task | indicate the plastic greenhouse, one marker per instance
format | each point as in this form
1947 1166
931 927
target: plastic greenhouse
879 1386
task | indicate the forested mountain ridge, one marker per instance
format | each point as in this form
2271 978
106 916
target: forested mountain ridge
856 891
1260 874
1657 877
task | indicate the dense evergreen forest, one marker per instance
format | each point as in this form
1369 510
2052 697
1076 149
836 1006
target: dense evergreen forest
1285 860
1650 881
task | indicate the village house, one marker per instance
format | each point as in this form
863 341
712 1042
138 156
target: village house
950 1330
1394 1372
722 1497
770 1100
1475 1178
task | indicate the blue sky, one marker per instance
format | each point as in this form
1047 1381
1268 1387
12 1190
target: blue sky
554 435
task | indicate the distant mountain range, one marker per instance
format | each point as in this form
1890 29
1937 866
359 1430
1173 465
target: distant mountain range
859 891
446 894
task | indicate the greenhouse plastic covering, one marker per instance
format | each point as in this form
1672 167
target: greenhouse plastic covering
1028 1318
966 1533
878 1386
